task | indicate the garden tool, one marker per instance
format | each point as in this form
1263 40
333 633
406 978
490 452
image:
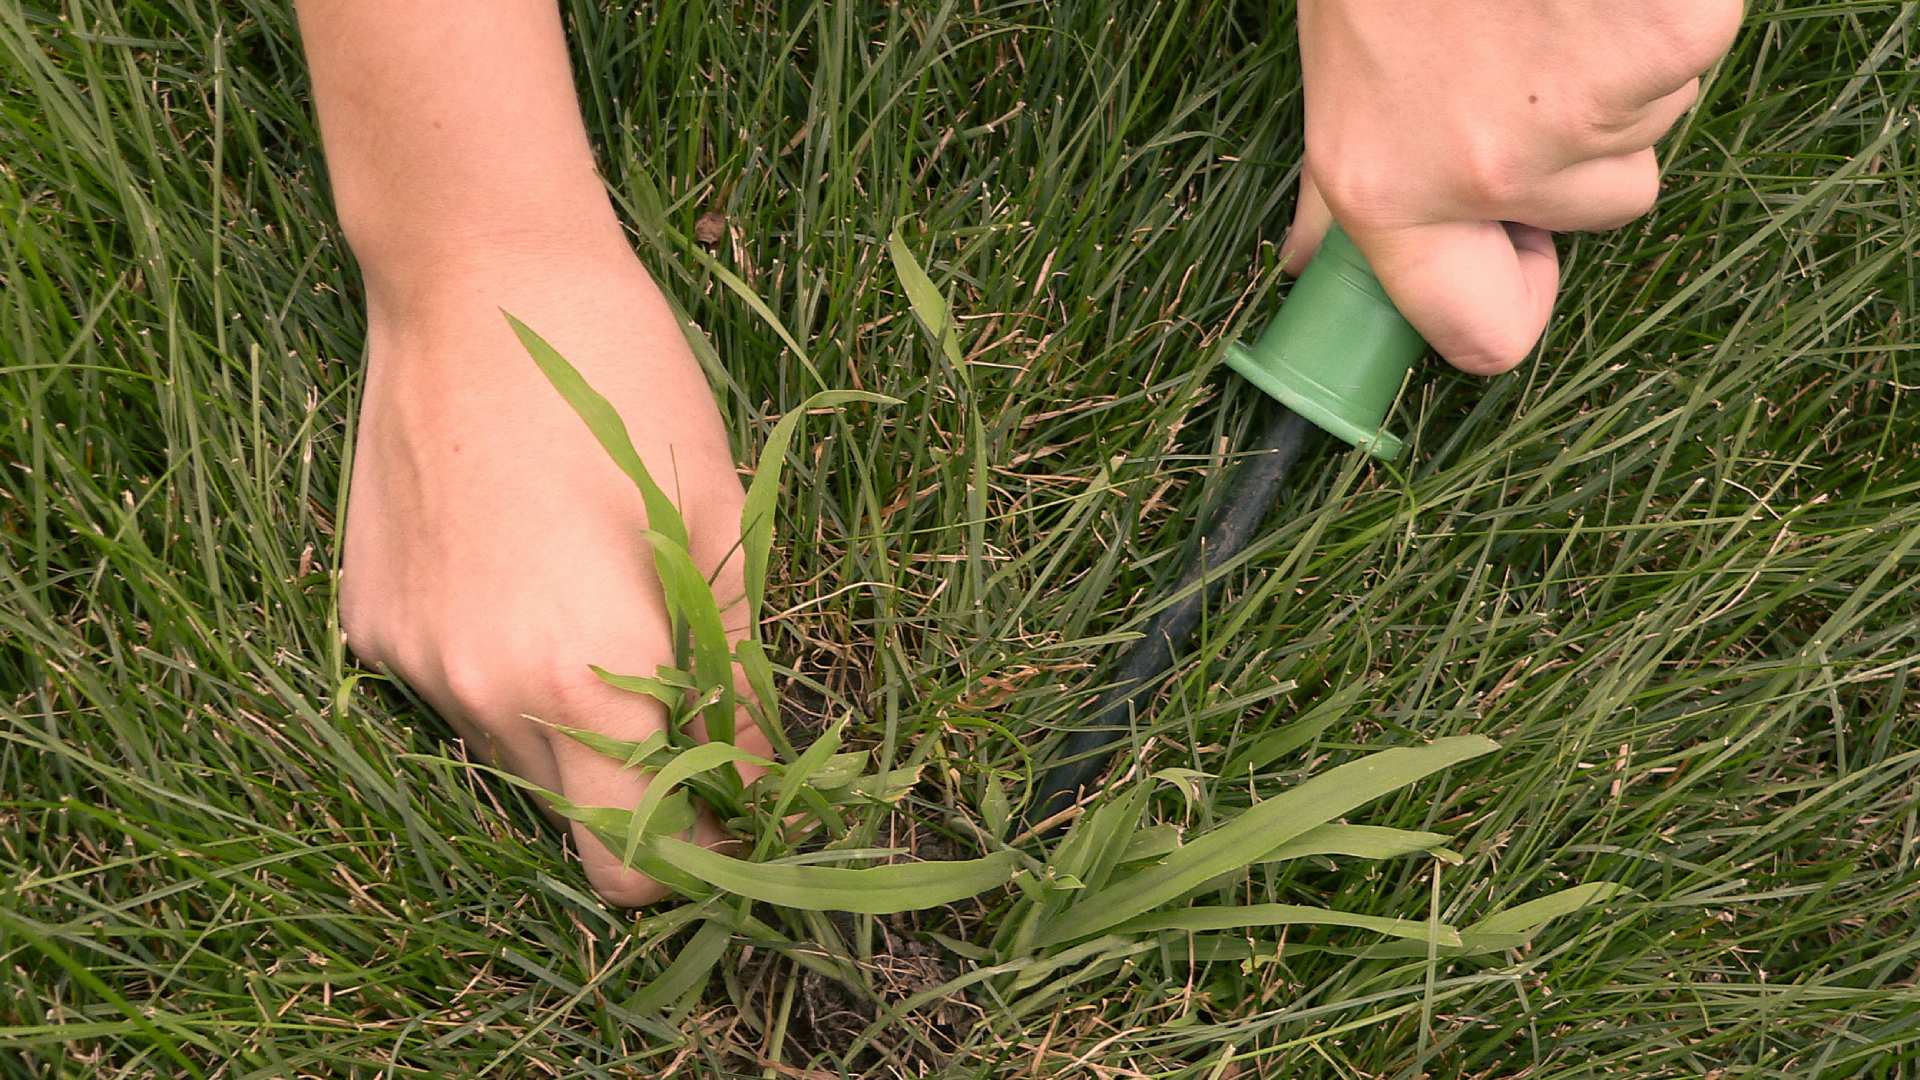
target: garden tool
1333 358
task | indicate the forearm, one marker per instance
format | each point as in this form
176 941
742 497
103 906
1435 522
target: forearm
451 127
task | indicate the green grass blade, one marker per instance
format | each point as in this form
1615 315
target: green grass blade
632 753
149 1021
995 810
885 787
756 514
605 821
690 762
656 688
1199 919
930 307
1271 746
1151 843
754 663
758 306
1509 929
689 595
1358 841
806 766
839 770
1532 915
1037 970
1099 839
675 815
688 972
1095 843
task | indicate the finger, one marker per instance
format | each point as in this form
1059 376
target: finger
460 697
590 778
1311 219
1479 292
594 779
1604 193
1636 128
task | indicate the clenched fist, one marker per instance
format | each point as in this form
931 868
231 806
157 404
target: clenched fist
1451 139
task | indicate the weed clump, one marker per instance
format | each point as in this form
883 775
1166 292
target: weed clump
1114 886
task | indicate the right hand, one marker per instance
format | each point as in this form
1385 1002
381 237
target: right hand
1450 140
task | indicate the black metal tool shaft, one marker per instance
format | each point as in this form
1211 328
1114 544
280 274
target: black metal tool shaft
1250 494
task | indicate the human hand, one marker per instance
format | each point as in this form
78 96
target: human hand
1450 140
493 551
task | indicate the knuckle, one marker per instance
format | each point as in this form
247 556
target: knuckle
1630 195
473 680
1492 177
361 629
1486 364
361 616
569 692
1693 35
493 667
575 692
1720 25
1598 127
1686 97
1356 196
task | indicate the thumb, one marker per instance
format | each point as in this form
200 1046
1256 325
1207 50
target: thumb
1480 292
1310 221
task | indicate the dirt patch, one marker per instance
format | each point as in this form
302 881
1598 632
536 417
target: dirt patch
829 1015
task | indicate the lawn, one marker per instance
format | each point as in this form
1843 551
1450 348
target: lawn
1669 565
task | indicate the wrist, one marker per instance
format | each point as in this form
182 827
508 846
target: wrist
405 257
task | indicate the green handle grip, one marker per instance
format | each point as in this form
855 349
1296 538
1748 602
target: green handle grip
1338 351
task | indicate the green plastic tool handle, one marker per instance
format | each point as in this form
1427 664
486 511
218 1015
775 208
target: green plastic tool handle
1338 351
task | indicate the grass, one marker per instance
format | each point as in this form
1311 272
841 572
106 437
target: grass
1669 566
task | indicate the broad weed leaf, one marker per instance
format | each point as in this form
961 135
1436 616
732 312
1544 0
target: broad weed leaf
1240 917
658 689
687 763
1358 841
688 593
604 421
874 890
1251 835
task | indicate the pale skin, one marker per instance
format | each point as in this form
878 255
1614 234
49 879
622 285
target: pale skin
492 550
1452 139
